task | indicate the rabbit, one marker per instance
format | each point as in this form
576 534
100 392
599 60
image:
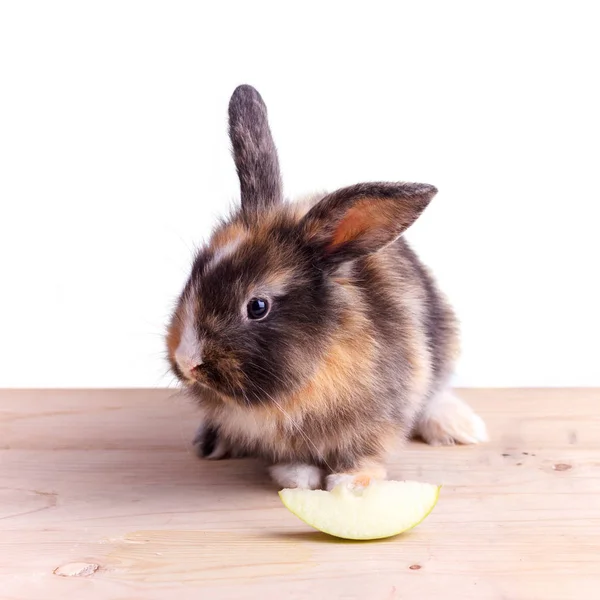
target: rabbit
309 333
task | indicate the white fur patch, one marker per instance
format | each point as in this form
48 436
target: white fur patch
297 475
188 353
448 420
223 252
339 478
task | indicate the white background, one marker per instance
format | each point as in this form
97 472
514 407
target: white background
114 161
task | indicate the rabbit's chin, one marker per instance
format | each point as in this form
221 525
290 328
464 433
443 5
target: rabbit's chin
217 395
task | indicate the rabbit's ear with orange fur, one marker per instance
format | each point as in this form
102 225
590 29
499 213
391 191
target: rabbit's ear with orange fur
363 218
254 152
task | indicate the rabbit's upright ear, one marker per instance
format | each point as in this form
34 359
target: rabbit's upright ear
362 219
254 152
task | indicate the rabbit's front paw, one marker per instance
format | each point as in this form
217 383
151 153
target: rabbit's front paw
210 445
359 477
297 475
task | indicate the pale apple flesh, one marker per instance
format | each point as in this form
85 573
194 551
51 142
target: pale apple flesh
381 509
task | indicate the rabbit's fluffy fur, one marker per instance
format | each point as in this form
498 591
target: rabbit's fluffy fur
357 346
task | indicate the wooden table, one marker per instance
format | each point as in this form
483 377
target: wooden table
101 497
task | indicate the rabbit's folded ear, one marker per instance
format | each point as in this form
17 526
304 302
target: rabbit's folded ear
254 152
362 219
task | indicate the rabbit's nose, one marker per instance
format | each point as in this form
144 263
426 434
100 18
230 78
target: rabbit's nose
188 365
188 354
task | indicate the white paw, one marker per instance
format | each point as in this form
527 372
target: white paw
335 479
448 420
297 475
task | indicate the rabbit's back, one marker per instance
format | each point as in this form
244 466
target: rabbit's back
415 328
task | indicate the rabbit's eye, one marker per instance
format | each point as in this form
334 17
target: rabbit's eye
258 308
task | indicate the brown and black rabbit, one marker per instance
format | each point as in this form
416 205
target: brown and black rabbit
309 333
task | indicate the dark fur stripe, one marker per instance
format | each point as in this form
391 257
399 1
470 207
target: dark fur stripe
206 441
439 323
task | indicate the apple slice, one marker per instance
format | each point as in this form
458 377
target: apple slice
380 510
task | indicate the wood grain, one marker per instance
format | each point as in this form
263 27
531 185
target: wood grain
102 497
